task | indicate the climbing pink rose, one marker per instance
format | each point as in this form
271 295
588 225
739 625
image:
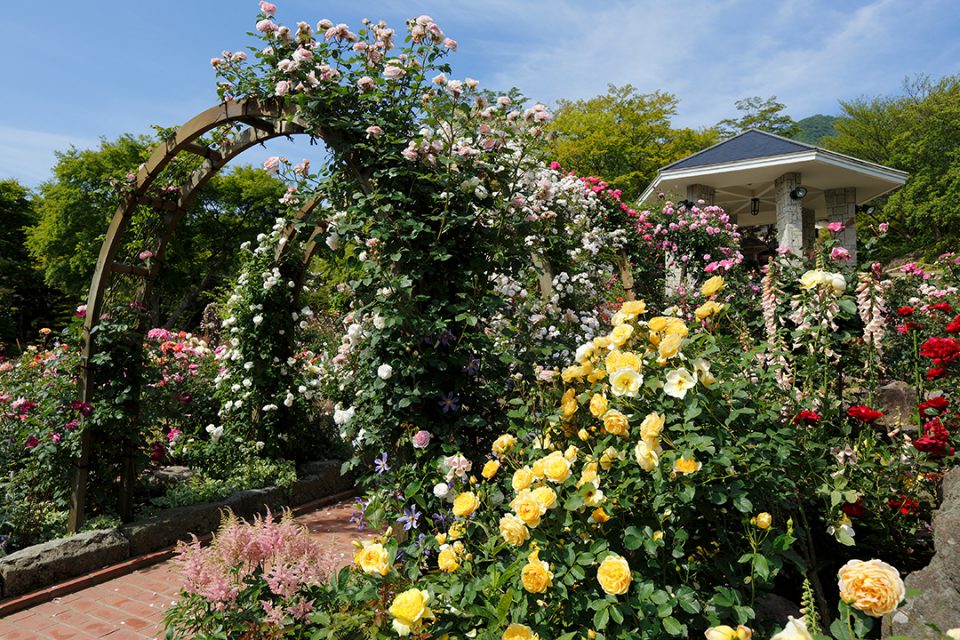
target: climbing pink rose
272 164
835 227
839 253
392 71
268 8
373 131
266 26
421 439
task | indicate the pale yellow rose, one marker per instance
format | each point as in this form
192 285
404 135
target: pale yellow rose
537 469
465 504
647 456
598 405
522 478
519 632
585 352
873 587
373 558
712 286
527 508
556 468
685 466
568 403
599 515
490 469
625 382
609 456
589 474
409 609
701 369
615 423
601 342
795 630
630 360
621 334
583 434
811 279
571 453
670 346
513 530
503 443
679 381
596 376
612 361
441 538
652 427
614 575
447 560
593 497
723 632
763 520
634 307
546 496
536 576
620 318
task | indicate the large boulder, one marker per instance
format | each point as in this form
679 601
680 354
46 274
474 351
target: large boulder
938 583
898 402
56 560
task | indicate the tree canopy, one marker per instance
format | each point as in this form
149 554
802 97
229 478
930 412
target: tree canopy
757 113
624 136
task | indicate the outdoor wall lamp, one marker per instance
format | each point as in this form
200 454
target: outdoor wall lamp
687 204
869 210
754 206
798 193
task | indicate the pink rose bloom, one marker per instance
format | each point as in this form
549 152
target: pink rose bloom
835 227
410 153
32 442
172 435
391 71
450 43
266 26
272 164
782 251
710 268
81 311
302 168
268 8
366 83
421 439
839 254
216 62
146 255
883 227
373 131
56 438
283 88
302 54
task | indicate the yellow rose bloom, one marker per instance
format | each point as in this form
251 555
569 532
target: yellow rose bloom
519 632
568 403
652 427
723 632
629 359
409 609
612 361
490 469
712 286
621 334
596 376
625 382
589 474
556 468
593 497
441 538
546 496
647 455
447 560
608 457
536 576
614 575
599 515
764 520
571 453
679 381
601 342
522 478
503 443
675 326
658 324
615 423
811 279
465 504
456 531
598 405
620 318
513 530
537 469
373 558
634 307
527 508
707 309
686 466
701 369
583 434
873 587
576 371
795 630
670 346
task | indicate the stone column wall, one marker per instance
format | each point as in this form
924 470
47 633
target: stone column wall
673 281
809 228
789 213
842 207
697 192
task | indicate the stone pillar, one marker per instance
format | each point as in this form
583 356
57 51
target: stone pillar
789 213
697 192
842 207
809 228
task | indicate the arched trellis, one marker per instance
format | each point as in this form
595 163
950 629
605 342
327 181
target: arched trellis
263 121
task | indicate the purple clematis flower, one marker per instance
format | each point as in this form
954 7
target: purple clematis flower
449 402
380 464
410 518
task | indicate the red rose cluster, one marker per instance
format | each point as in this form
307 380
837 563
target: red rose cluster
864 414
807 417
943 351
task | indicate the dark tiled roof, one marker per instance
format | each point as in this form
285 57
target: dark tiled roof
745 146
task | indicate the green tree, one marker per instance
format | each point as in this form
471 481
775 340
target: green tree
757 113
623 136
74 209
813 129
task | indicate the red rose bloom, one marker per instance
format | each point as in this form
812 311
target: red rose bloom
904 505
854 509
954 325
864 414
938 404
905 311
942 350
935 373
807 417
942 306
933 447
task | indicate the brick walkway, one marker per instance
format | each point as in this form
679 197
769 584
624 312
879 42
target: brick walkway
131 607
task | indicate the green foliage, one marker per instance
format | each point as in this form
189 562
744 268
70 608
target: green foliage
757 113
813 129
624 136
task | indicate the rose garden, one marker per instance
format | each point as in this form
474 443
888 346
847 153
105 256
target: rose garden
548 441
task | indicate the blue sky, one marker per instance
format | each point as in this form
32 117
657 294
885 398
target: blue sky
74 71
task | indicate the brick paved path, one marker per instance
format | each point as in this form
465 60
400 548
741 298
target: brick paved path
131 607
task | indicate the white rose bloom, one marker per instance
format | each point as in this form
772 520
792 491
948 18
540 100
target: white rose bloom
257 320
441 489
384 371
795 630
288 401
379 322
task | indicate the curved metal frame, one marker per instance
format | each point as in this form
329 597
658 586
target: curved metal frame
264 121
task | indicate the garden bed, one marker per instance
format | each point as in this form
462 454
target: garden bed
44 564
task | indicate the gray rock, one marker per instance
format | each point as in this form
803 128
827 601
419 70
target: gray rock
775 609
169 526
56 560
938 582
247 504
898 402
